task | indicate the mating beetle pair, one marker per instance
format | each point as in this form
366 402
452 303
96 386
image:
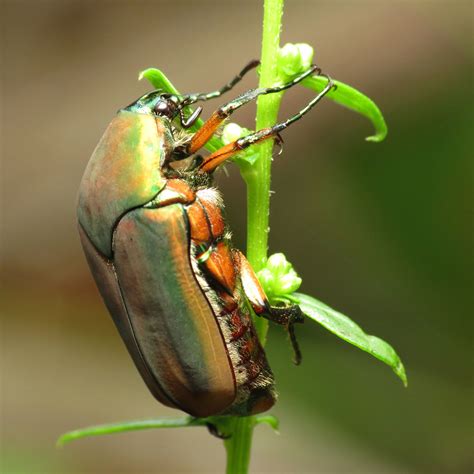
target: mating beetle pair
155 238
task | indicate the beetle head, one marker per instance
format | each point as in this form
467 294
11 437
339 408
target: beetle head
165 105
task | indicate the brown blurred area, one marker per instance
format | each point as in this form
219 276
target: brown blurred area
381 232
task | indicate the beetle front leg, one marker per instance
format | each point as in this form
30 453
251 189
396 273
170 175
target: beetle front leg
212 161
202 136
284 315
193 98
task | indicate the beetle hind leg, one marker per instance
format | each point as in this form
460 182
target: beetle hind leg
286 316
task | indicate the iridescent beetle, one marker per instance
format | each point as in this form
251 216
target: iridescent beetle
154 235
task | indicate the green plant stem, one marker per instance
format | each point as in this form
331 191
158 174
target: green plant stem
239 445
257 178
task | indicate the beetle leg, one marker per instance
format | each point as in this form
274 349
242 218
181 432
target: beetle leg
219 265
212 161
252 288
192 98
214 431
202 136
294 344
286 316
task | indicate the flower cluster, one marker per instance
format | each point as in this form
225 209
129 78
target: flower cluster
279 279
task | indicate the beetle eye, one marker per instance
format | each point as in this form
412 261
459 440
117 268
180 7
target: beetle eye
161 108
166 108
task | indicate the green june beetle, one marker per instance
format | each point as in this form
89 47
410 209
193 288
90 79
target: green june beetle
153 232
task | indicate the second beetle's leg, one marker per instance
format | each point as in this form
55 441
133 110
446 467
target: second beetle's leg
202 136
212 161
286 316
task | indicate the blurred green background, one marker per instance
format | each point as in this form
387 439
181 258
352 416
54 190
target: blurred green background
381 232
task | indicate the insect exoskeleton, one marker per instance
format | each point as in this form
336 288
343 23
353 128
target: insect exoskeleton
154 234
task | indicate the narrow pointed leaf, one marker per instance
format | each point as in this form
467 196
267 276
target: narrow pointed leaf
269 420
353 100
346 329
121 427
158 80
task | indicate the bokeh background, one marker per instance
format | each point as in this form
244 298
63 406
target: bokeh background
381 232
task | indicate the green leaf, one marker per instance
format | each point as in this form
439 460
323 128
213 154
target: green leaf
353 100
269 420
121 427
346 329
158 80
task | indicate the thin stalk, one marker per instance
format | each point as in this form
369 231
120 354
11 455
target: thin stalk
258 182
257 178
239 445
